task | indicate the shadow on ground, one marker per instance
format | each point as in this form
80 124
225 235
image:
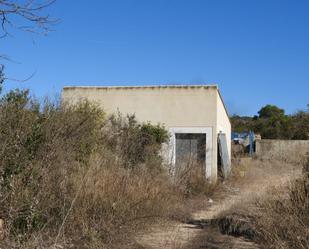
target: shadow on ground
231 231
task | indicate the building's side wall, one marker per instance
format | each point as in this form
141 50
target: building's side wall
223 122
293 151
170 106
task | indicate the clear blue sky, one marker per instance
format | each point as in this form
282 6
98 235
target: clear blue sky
257 51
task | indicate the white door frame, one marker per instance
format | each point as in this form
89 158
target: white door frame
209 150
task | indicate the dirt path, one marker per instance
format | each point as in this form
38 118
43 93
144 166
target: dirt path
258 179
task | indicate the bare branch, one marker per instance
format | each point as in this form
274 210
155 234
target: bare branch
20 80
29 13
23 15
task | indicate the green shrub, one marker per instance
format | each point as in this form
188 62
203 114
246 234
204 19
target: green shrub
69 174
133 142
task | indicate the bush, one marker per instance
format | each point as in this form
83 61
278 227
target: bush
133 142
72 175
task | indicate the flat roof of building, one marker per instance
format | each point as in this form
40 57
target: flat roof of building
143 86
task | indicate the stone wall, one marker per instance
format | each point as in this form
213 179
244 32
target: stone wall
286 150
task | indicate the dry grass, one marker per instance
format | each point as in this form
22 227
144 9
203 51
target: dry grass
71 177
282 218
191 179
265 206
271 207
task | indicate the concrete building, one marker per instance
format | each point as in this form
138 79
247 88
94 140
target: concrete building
195 116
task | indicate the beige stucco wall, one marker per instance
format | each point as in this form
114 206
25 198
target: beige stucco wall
191 106
223 121
170 106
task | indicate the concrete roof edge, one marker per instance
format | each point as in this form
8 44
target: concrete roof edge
142 86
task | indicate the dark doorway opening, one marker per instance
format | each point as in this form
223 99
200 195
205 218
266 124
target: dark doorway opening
191 150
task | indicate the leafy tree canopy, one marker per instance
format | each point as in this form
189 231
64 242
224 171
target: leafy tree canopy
270 111
273 123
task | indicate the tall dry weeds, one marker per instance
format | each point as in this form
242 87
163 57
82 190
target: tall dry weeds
282 221
70 176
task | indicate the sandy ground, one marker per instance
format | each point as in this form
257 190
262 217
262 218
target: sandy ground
258 179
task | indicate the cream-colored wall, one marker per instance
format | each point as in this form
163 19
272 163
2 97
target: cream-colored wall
170 106
223 121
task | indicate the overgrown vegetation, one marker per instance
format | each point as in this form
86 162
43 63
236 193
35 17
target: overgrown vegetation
273 123
282 220
74 177
276 217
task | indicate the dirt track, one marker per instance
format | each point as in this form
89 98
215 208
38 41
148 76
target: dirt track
200 233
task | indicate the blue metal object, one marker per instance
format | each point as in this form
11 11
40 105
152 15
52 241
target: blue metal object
251 142
247 139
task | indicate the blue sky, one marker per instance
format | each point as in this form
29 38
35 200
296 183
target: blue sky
257 51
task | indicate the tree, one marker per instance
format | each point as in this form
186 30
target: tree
241 123
273 123
270 111
23 15
301 125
